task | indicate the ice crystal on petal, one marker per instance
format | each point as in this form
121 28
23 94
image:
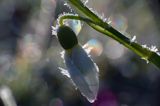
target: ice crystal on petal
64 72
62 54
54 30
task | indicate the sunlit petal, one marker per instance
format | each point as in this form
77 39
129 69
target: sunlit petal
83 72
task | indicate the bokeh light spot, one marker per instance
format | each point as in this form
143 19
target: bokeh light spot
114 50
119 22
94 47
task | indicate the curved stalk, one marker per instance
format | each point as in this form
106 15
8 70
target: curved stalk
107 30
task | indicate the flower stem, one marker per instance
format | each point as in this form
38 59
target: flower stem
79 6
98 24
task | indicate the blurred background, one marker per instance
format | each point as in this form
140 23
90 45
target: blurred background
30 54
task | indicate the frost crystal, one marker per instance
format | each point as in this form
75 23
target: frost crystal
64 72
85 2
102 16
54 30
109 20
144 46
154 49
62 54
66 4
133 39
75 25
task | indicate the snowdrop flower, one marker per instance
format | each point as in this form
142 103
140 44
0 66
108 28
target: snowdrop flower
80 67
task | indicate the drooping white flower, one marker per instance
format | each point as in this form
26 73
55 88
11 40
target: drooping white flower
80 67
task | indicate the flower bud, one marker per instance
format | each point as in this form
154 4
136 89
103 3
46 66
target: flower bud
66 37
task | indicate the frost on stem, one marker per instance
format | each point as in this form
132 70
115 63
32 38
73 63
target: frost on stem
75 25
85 1
133 39
152 49
107 20
70 8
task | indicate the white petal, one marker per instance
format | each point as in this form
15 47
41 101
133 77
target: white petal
82 60
83 71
